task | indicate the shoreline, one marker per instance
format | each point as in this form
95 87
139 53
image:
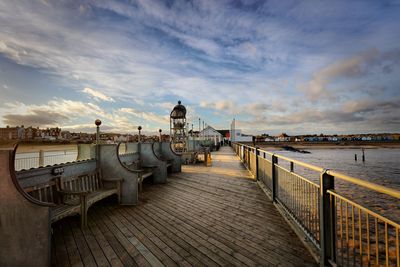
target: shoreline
323 145
31 148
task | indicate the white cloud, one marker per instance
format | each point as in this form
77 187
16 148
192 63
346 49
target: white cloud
147 116
352 67
97 95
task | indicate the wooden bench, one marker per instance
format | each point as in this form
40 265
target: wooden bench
74 195
47 194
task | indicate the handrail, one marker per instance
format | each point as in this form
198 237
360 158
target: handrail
375 187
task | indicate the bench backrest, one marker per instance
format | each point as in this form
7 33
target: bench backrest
43 192
47 192
86 182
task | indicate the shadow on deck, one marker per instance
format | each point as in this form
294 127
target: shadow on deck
203 216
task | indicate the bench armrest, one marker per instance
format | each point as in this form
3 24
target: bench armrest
71 192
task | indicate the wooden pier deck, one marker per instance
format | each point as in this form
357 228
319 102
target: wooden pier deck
204 216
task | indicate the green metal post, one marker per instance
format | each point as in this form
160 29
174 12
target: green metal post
257 153
274 178
327 220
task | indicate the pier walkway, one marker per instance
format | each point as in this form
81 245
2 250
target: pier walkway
204 216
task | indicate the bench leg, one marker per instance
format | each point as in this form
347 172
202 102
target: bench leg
83 212
119 189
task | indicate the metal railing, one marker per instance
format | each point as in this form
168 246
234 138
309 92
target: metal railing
345 233
25 163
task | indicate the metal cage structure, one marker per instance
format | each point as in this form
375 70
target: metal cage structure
178 128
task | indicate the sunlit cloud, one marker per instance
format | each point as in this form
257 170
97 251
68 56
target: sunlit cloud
97 95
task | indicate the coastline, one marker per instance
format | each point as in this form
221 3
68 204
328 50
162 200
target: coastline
30 148
328 145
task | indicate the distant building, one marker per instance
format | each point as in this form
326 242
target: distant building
283 137
209 133
9 133
236 135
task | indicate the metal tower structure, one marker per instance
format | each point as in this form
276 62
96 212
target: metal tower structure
178 128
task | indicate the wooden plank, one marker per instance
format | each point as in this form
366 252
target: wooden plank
95 248
180 239
227 209
265 249
72 249
105 246
140 241
123 255
219 256
265 234
143 233
145 252
259 205
84 251
131 249
193 227
225 206
183 257
61 253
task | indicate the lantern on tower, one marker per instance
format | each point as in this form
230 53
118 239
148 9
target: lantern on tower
178 128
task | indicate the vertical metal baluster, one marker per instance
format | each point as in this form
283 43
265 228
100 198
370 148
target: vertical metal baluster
347 233
317 213
314 214
353 235
386 245
397 247
368 239
298 199
308 207
302 199
341 231
376 242
295 195
360 235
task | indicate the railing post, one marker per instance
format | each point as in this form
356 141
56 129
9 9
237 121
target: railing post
274 177
327 219
257 153
291 166
248 157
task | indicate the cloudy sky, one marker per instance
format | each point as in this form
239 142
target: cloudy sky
275 66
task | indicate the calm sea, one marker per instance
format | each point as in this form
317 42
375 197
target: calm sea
381 166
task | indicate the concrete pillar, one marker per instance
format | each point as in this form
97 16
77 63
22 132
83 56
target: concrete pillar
41 158
86 151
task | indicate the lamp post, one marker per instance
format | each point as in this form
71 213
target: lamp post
204 136
139 128
160 134
98 123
